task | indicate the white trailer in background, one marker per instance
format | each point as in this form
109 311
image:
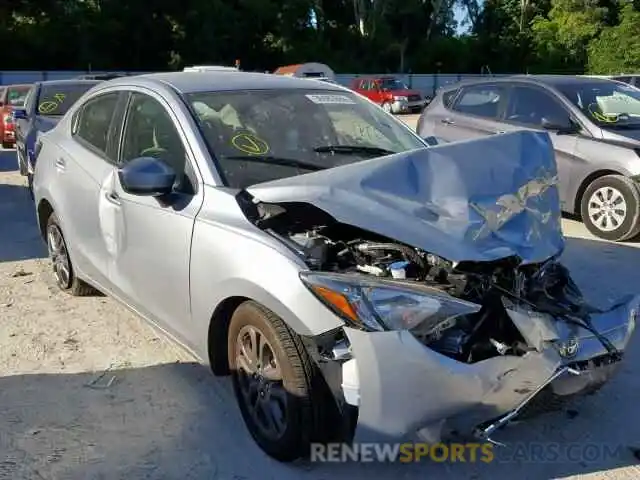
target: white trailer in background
318 71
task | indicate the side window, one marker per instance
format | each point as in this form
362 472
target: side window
93 121
365 84
151 132
480 100
530 105
448 98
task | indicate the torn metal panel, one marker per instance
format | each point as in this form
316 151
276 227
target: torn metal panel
477 200
405 386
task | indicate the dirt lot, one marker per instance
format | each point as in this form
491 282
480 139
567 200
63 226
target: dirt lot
87 391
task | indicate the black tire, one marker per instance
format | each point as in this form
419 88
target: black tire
7 146
70 283
630 226
306 404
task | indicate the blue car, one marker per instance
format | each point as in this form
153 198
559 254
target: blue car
45 104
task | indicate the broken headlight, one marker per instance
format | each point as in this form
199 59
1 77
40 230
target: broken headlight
377 304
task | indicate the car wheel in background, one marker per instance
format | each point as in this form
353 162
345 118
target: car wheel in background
610 208
274 383
386 106
7 146
61 261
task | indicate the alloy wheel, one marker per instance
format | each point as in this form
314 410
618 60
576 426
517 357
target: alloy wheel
261 382
59 256
607 209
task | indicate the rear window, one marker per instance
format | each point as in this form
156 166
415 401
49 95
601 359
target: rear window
17 95
55 100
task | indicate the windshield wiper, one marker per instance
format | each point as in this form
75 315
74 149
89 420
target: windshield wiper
353 150
285 162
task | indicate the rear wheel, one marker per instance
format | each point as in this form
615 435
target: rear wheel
63 271
610 208
7 145
273 380
386 106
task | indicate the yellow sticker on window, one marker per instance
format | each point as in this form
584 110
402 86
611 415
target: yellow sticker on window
250 144
48 107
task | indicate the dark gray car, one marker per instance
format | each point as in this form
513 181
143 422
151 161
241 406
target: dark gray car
595 129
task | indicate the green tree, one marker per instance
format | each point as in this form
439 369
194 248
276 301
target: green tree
617 49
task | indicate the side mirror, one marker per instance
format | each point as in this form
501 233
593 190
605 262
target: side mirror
147 176
19 114
560 125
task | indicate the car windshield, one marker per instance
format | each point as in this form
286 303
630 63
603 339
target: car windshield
263 135
56 99
392 84
17 95
607 104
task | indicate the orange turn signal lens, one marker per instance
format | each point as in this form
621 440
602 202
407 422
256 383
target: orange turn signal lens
337 301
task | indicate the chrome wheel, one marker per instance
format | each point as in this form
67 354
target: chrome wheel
386 107
607 209
59 256
260 381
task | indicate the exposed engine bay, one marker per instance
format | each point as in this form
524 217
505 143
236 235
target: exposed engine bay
330 246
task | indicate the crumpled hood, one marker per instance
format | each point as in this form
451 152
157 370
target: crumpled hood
477 200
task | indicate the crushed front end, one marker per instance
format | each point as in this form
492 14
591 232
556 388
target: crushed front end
468 352
443 265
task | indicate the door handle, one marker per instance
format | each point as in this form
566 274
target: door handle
61 164
447 121
112 198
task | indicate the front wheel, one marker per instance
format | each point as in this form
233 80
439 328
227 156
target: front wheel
273 383
610 208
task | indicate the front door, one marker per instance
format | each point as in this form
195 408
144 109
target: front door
527 106
150 266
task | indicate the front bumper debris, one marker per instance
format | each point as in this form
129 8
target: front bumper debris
402 387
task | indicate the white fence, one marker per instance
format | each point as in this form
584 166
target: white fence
426 83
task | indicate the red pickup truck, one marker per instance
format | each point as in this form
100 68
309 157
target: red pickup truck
11 96
389 92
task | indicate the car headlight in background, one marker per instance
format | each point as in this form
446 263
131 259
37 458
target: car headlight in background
400 99
378 305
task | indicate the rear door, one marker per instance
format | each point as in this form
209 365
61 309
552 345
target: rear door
85 161
527 106
475 112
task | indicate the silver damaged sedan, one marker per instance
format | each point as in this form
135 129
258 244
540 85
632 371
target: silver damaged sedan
357 282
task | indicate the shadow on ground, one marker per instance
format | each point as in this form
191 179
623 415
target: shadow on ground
175 421
19 235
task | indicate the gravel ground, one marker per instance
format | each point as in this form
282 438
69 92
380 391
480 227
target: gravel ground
88 391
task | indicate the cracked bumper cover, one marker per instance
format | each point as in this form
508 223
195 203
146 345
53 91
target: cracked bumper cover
402 387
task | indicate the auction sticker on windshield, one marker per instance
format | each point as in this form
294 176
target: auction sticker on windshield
248 143
323 99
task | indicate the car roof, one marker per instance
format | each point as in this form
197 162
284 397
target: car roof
70 81
208 81
552 81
